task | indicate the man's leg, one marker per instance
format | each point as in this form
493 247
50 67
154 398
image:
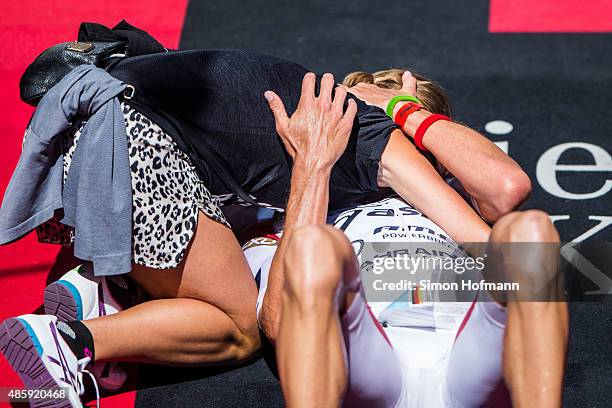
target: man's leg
310 348
524 342
329 347
535 342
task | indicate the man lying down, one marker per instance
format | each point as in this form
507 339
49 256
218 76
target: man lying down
331 348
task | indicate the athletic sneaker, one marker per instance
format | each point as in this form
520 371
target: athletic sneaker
37 352
79 295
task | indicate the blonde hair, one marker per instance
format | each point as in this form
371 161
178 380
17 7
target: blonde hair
432 96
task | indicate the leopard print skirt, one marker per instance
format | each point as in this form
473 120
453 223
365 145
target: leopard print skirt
167 195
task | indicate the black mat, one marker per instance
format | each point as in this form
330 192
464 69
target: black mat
553 88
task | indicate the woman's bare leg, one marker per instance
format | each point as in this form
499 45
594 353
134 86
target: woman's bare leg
204 312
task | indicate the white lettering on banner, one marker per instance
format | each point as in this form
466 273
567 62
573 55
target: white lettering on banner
547 168
604 222
555 218
583 265
498 127
503 145
546 173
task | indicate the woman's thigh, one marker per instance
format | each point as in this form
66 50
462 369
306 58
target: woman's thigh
214 270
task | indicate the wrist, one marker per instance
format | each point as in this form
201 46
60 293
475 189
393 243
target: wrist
413 122
398 106
303 166
397 101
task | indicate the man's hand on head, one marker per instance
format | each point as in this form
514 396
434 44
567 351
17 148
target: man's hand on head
317 133
380 97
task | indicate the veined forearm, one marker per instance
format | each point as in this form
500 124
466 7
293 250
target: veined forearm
315 136
308 198
307 205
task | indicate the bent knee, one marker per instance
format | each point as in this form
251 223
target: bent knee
242 343
229 347
308 240
247 344
525 226
314 263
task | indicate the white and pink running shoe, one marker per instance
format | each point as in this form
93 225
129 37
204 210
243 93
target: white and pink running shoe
37 352
79 295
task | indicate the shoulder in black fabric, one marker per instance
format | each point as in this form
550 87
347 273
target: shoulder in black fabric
211 103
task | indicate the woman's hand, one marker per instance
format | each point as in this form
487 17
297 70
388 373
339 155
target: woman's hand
317 133
373 95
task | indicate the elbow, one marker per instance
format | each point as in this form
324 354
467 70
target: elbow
515 189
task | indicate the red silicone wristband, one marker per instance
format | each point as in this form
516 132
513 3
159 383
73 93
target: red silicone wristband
430 120
404 112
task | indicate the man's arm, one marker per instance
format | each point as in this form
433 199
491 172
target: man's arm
491 177
315 136
495 181
409 173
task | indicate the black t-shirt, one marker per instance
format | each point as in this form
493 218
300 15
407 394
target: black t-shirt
211 103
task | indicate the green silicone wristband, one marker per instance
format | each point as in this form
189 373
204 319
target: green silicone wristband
396 99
